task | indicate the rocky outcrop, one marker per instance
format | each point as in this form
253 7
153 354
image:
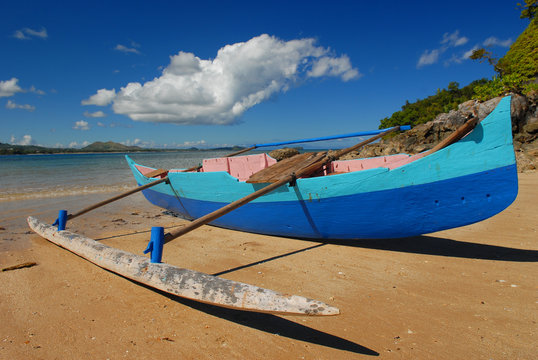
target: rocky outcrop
280 154
425 136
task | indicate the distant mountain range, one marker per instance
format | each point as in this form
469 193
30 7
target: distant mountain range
109 146
96 147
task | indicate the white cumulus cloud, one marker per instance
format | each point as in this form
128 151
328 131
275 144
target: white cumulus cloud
428 57
37 91
493 41
191 90
81 125
9 87
74 144
125 49
12 105
330 66
454 39
449 41
96 114
26 140
27 33
102 98
191 143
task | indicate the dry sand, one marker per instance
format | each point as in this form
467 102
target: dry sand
467 293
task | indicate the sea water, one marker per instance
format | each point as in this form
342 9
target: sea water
41 185
35 177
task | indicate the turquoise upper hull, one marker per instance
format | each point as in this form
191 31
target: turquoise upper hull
463 183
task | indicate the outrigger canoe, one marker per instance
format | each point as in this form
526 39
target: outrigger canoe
383 197
468 177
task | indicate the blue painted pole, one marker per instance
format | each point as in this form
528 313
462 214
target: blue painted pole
333 137
62 220
155 244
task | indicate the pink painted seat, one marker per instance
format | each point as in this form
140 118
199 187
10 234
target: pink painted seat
343 166
407 160
241 167
144 169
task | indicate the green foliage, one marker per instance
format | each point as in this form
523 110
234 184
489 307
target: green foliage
494 88
515 83
517 72
517 69
522 58
9 149
527 88
483 55
529 10
427 109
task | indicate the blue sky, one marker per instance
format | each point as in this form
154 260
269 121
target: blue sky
219 73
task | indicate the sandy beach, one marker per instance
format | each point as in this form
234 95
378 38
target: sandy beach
466 293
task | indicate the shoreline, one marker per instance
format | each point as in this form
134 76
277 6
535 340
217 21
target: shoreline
124 151
470 290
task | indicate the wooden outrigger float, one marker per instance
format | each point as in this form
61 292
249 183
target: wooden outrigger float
466 178
185 283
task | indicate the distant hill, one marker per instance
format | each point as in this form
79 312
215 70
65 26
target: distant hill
96 147
110 146
9 149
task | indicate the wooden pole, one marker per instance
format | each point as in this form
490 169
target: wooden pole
307 170
455 136
117 197
365 142
140 188
224 210
241 151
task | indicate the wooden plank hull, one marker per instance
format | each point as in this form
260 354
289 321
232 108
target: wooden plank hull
466 182
185 283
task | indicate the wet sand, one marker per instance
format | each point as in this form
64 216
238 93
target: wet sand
470 292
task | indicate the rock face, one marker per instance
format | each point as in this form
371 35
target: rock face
280 154
425 136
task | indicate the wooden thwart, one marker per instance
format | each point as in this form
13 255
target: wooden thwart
285 167
156 173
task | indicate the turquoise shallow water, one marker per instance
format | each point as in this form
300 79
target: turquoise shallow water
40 185
27 177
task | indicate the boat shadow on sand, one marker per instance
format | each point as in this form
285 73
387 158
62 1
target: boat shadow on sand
272 324
438 246
425 245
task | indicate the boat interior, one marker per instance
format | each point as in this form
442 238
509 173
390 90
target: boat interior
243 167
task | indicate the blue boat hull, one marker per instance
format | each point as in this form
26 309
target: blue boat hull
464 183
